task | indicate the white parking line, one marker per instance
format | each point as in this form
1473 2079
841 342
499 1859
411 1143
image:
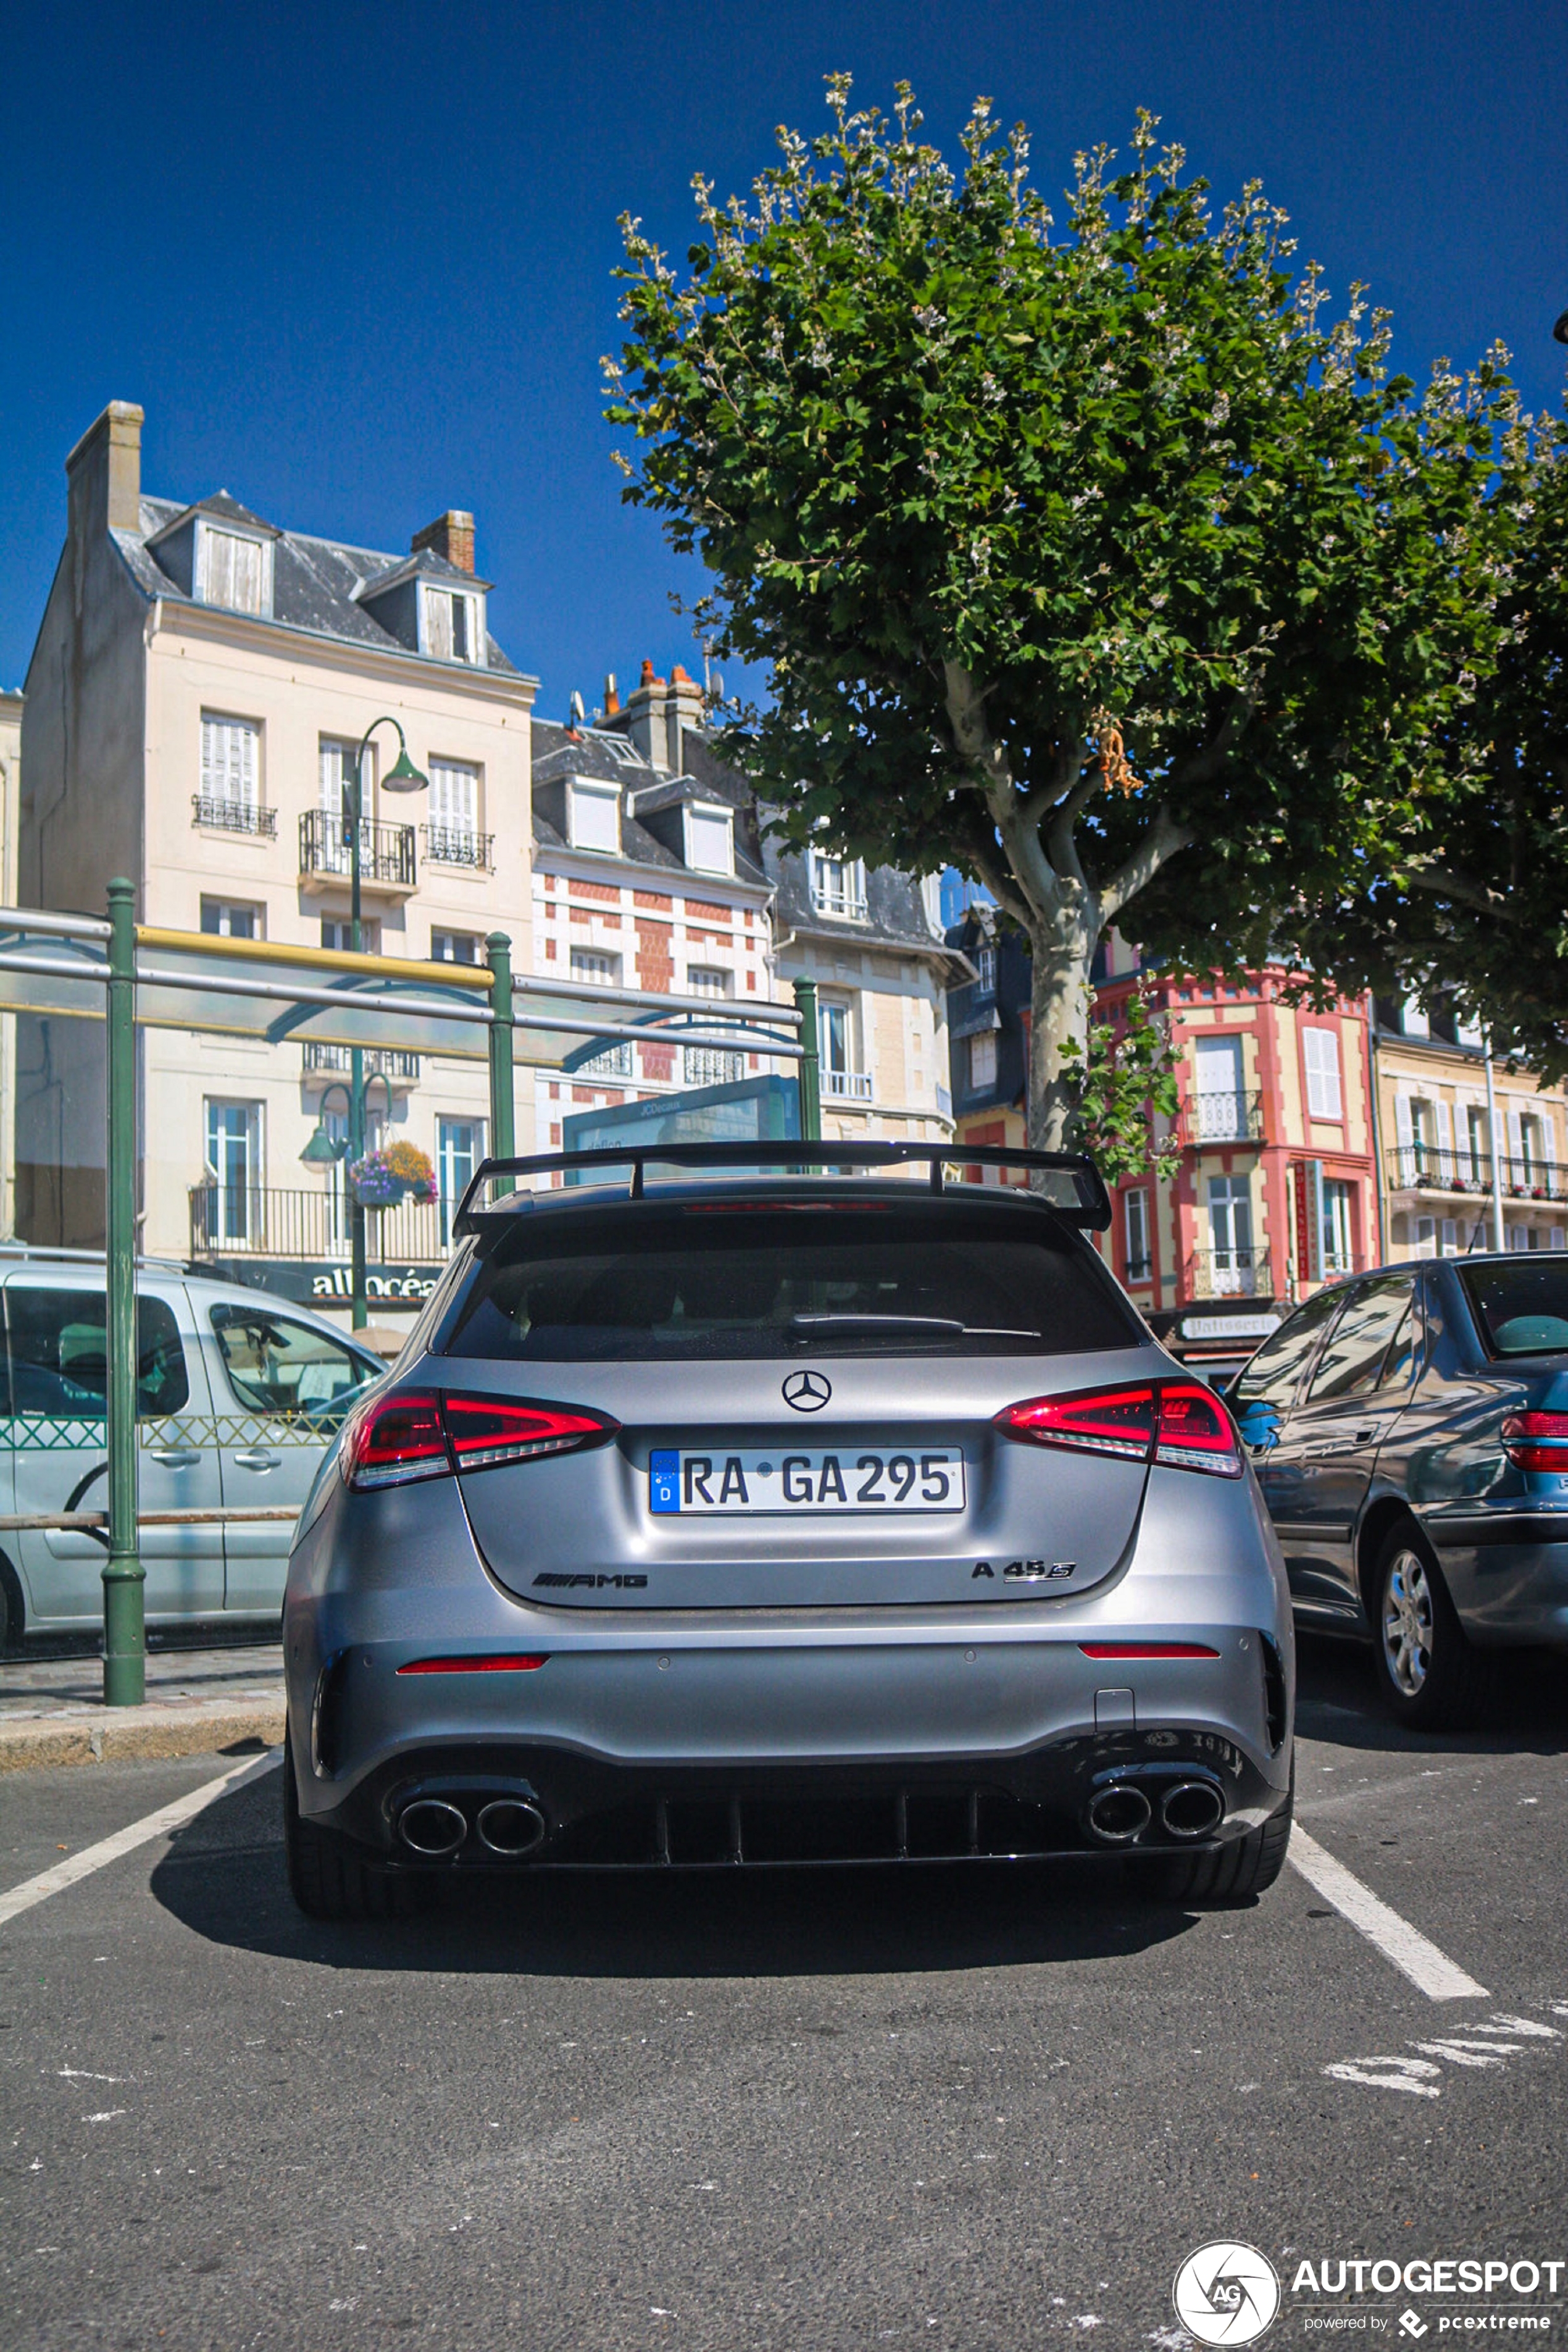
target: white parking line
1428 1969
151 1825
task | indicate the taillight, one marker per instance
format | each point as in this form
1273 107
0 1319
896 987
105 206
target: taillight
1180 1423
1101 1421
1196 1432
1536 1441
1139 1649
493 1429
390 1441
510 1662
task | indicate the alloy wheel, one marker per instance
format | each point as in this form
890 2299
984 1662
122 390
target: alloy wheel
1407 1615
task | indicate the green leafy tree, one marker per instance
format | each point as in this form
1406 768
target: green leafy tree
1471 903
1120 1073
1096 564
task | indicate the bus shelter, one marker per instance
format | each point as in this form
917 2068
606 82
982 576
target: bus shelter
261 993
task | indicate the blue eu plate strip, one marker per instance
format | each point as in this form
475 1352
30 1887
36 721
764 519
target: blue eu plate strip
664 1482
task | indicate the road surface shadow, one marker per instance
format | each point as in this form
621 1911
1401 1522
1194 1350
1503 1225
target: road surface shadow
1337 1701
224 1879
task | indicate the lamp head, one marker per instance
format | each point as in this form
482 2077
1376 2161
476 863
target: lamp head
323 1150
403 776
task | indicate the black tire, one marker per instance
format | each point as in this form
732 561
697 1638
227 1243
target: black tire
1232 1873
1430 1676
328 1878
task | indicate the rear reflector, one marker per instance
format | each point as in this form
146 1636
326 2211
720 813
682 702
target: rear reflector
505 1666
1536 1441
1180 1423
393 1440
1147 1650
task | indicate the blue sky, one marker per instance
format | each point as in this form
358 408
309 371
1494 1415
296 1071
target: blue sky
354 260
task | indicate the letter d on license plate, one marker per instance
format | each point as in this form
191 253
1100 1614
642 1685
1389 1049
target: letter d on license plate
711 1481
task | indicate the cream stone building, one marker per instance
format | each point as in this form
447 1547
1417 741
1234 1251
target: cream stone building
201 678
1437 1146
10 797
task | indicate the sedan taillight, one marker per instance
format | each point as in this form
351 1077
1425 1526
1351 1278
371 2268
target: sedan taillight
392 1441
1536 1441
1180 1423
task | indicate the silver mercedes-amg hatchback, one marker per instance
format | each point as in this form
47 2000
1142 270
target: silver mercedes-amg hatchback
733 1519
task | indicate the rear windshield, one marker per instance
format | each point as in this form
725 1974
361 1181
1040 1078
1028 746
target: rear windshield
666 1286
1522 1306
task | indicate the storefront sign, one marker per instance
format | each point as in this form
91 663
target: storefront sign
394 1289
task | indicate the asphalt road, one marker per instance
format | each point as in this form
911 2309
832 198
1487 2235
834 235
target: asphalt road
976 2109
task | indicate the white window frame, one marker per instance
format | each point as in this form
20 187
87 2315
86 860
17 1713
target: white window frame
592 794
599 966
982 1045
1338 1243
432 631
839 885
334 757
700 977
238 1209
231 760
1135 1230
1325 1084
1414 1020
208 537
700 813
842 1081
452 811
451 1182
448 953
225 909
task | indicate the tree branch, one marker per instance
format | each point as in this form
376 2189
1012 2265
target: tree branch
1204 765
1459 885
1160 844
985 757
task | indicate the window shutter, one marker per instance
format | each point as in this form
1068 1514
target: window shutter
1445 1126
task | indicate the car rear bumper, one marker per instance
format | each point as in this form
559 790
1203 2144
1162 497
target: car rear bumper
1509 1586
681 1750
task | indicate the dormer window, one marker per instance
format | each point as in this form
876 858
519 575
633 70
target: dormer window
234 570
709 838
594 814
452 624
839 885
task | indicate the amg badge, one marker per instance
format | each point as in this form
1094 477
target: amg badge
593 1583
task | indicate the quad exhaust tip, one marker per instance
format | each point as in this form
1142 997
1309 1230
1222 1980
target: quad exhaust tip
432 1828
1118 1814
510 1827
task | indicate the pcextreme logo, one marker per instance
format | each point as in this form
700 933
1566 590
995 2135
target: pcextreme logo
1226 2294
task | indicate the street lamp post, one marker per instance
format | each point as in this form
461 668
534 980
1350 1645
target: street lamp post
403 777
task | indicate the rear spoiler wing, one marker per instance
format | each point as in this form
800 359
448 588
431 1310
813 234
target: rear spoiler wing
1071 1182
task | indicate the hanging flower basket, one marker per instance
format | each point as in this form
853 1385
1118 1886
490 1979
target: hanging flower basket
372 1183
413 1171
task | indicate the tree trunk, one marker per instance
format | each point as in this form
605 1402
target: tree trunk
1063 954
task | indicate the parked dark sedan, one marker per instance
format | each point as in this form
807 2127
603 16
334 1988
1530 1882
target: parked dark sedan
1410 1432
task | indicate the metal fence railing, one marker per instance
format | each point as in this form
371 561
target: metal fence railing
1230 1274
264 1221
1228 1116
1427 1167
386 851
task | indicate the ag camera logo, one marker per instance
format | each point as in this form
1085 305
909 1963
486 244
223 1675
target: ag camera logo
1226 2294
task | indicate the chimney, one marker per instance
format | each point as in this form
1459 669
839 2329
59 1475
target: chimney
644 718
451 535
104 471
612 696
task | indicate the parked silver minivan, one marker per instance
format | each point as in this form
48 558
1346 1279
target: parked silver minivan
237 1393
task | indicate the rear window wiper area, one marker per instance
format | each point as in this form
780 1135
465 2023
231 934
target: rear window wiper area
807 1327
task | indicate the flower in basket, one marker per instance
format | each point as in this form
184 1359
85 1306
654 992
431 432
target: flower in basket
373 1183
413 1171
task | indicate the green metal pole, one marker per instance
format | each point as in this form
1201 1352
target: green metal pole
810 1068
358 1313
503 1115
124 1626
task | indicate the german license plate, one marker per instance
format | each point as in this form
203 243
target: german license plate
767 1478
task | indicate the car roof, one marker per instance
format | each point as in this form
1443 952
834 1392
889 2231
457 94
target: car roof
151 1273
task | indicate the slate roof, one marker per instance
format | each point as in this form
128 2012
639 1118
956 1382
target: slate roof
612 757
314 580
895 913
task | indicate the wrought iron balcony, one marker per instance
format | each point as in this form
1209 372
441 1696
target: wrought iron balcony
1228 1115
1229 1274
380 1061
1426 1168
219 815
448 844
260 1221
386 851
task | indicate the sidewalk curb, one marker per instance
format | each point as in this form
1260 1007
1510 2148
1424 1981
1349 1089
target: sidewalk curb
111 1734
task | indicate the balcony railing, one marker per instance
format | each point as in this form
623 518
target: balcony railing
220 815
257 1221
1230 1274
851 1085
1426 1168
386 851
380 1061
455 845
707 1065
1227 1116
